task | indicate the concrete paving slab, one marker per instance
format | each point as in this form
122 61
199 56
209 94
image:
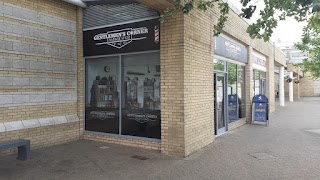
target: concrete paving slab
282 150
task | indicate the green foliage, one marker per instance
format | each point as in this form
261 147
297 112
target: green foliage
186 6
311 43
232 73
274 11
277 10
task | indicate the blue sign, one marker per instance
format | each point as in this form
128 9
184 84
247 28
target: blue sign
260 108
260 112
233 107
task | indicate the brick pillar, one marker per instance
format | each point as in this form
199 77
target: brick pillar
80 70
249 85
198 81
186 58
270 84
172 85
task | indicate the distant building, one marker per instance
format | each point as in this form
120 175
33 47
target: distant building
293 55
308 86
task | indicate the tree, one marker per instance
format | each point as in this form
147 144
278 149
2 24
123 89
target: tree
311 43
274 11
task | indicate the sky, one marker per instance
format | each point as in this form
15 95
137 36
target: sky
289 31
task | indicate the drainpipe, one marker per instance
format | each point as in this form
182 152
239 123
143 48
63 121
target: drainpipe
76 2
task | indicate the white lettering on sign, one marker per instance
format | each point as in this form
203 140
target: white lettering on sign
120 38
233 49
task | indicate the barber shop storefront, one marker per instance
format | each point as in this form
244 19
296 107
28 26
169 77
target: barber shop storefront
109 71
122 79
259 63
230 58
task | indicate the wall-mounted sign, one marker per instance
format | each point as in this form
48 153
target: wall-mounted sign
230 49
133 37
259 61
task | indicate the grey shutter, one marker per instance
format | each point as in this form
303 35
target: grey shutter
97 15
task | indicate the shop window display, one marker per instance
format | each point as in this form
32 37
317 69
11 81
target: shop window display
141 95
123 96
219 65
259 82
102 95
241 91
236 92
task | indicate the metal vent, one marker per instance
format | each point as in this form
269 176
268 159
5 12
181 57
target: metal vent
107 14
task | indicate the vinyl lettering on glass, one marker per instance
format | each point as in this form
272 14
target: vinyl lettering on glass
102 95
141 96
139 77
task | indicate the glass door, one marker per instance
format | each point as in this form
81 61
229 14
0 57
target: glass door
219 103
263 88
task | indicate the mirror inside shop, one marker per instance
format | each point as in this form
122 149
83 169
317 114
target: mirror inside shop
123 95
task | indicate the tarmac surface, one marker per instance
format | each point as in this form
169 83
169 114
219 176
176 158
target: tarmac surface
289 148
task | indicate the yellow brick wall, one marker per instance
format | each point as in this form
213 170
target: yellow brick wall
55 9
151 145
80 71
249 86
306 86
172 86
14 113
198 81
43 136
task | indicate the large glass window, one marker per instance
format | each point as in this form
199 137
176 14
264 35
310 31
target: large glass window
219 65
236 92
141 95
256 76
259 79
102 95
241 91
123 96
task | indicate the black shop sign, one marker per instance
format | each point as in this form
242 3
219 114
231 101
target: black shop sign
126 38
230 49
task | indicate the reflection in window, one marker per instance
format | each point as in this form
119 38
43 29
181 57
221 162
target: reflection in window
141 96
102 95
241 91
259 79
233 113
236 92
219 65
256 76
139 92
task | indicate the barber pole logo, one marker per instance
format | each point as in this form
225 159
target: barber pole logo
156 34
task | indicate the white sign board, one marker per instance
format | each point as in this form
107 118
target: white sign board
259 61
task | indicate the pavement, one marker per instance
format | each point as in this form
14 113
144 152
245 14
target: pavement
289 148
